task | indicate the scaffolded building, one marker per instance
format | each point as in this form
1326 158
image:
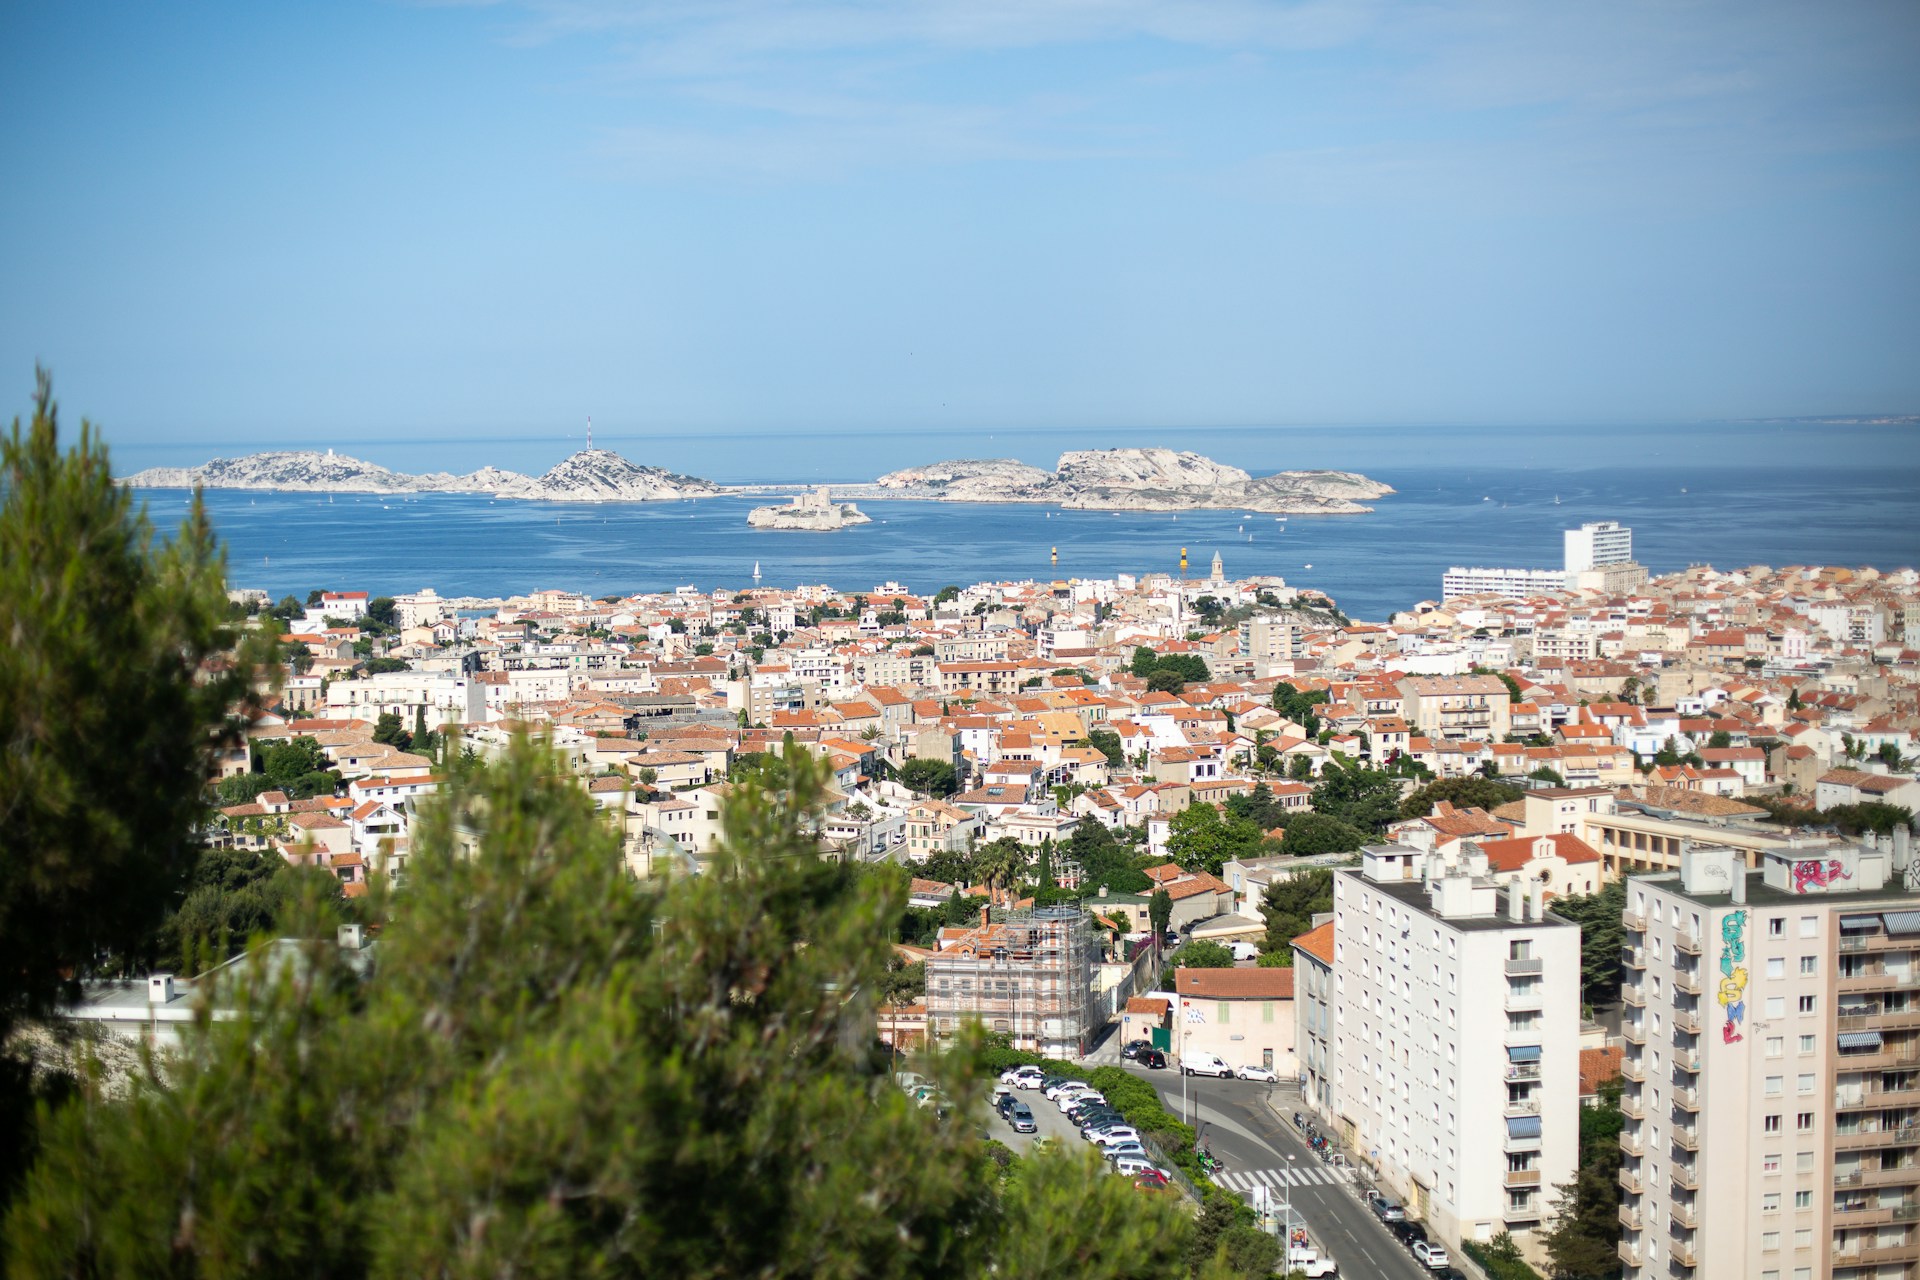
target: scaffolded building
1027 974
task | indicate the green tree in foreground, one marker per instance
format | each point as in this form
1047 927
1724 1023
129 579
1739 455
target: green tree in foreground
553 1070
114 699
934 777
1289 907
1462 793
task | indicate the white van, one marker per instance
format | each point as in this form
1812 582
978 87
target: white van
1205 1064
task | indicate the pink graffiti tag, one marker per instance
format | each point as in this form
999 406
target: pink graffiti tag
1812 873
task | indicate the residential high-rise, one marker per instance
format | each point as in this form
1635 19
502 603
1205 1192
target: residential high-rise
1773 1067
1597 543
1455 1043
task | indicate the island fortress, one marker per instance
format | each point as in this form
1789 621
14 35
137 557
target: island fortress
1090 479
813 510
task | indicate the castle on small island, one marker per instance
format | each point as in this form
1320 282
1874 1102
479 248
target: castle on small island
815 510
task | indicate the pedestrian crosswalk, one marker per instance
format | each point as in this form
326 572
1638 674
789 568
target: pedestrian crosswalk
1305 1176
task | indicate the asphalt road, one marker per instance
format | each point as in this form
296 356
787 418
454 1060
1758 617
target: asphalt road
1256 1146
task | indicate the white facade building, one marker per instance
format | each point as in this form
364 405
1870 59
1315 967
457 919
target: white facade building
1500 582
1597 543
1456 1040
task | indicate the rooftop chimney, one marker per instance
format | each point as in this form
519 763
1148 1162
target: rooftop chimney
1740 883
160 988
349 937
1902 848
1536 900
1515 896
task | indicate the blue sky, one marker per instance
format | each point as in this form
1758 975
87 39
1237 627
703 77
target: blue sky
257 222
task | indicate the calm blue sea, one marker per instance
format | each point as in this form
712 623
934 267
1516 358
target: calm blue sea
1724 494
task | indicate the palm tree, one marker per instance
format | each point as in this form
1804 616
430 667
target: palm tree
1000 866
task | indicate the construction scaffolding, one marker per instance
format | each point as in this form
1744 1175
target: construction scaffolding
1026 974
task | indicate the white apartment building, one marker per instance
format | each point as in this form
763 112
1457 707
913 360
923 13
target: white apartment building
430 697
1456 1024
1520 583
1773 1067
1597 543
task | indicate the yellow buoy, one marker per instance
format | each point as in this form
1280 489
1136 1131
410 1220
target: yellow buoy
1056 555
1183 559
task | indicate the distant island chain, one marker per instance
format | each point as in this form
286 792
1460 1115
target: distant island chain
1092 479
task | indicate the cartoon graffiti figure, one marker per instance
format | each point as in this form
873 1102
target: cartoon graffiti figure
1733 998
1811 873
1733 980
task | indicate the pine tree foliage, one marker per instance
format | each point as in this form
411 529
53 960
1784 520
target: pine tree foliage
115 669
554 1070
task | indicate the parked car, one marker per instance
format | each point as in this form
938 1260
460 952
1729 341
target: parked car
1005 1104
1023 1077
1205 1064
1115 1135
1134 1166
1153 1180
1408 1233
1080 1106
1263 1074
1022 1119
1431 1253
1062 1084
1132 1048
1309 1263
1152 1058
1385 1208
909 1080
1079 1097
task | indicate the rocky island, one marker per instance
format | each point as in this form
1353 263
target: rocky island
1138 480
812 511
591 475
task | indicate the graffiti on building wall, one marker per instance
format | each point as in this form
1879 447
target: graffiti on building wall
1733 974
1812 873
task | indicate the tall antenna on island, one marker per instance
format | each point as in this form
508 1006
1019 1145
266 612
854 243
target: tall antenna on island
589 432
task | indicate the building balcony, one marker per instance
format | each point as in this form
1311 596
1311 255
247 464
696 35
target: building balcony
1901 1135
1875 1216
1634 920
1881 1021
1524 1001
1687 1022
1633 957
1632 1107
1885 1176
1685 1215
1686 944
1871 1093
1630 1217
1527 1210
1629 1254
1633 995
1686 1100
1687 980
1873 942
1871 978
1523 1177
1523 1106
1631 1069
1631 1182
1685 1177
1631 1144
1687 1139
1525 966
1682 1251
1901 1252
1687 1062
1634 1031
1889 1058
1517 1071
